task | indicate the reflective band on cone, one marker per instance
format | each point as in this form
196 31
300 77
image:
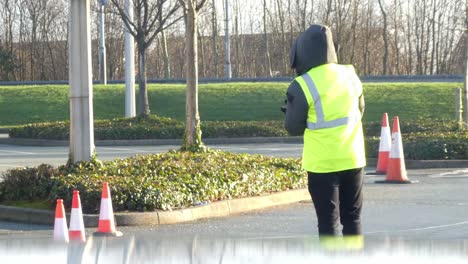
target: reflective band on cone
384 146
60 223
396 171
106 225
77 230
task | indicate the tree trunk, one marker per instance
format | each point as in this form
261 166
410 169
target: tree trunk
353 31
367 38
385 57
434 12
284 46
410 45
398 10
143 91
202 55
238 44
267 45
192 140
167 66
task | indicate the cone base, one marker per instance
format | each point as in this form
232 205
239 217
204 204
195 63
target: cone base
108 234
376 173
397 182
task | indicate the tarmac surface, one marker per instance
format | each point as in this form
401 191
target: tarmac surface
424 222
12 156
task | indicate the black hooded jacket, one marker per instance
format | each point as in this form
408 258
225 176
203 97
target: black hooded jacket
312 48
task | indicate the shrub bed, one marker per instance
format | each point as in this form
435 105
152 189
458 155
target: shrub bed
157 182
156 127
422 139
427 146
151 127
414 126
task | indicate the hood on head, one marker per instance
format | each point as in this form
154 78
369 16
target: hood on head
312 48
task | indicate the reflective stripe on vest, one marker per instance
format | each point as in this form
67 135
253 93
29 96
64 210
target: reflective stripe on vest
321 123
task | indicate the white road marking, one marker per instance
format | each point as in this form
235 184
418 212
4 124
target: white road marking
422 228
17 152
119 149
451 174
11 165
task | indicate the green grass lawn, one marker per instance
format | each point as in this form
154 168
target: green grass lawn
223 101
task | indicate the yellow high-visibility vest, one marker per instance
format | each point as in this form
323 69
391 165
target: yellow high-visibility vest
333 139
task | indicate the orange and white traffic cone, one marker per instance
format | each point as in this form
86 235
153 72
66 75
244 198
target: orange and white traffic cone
60 223
106 225
77 230
384 147
396 171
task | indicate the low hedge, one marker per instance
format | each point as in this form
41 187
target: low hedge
422 139
156 127
151 127
26 184
373 129
427 146
158 182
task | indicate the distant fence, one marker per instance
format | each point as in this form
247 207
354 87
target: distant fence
366 79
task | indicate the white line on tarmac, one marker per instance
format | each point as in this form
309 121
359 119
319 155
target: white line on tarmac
450 174
121 149
152 150
10 165
17 152
421 229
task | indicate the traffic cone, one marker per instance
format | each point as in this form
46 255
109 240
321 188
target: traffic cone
384 147
77 230
60 223
396 171
106 225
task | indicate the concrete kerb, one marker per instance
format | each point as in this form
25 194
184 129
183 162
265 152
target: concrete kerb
210 210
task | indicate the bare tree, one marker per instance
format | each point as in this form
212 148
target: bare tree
282 27
367 35
239 53
385 38
167 66
267 44
214 34
423 37
192 137
151 17
396 42
7 64
409 42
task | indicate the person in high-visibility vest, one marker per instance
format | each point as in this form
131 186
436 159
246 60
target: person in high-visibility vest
325 104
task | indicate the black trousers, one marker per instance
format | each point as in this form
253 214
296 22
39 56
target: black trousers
337 197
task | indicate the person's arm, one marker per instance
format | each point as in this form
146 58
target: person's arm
362 104
296 110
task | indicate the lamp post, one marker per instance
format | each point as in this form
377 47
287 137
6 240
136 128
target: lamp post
465 86
130 108
102 43
81 83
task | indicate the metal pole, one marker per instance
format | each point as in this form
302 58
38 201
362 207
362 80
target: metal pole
228 45
130 108
81 83
465 92
458 107
102 47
